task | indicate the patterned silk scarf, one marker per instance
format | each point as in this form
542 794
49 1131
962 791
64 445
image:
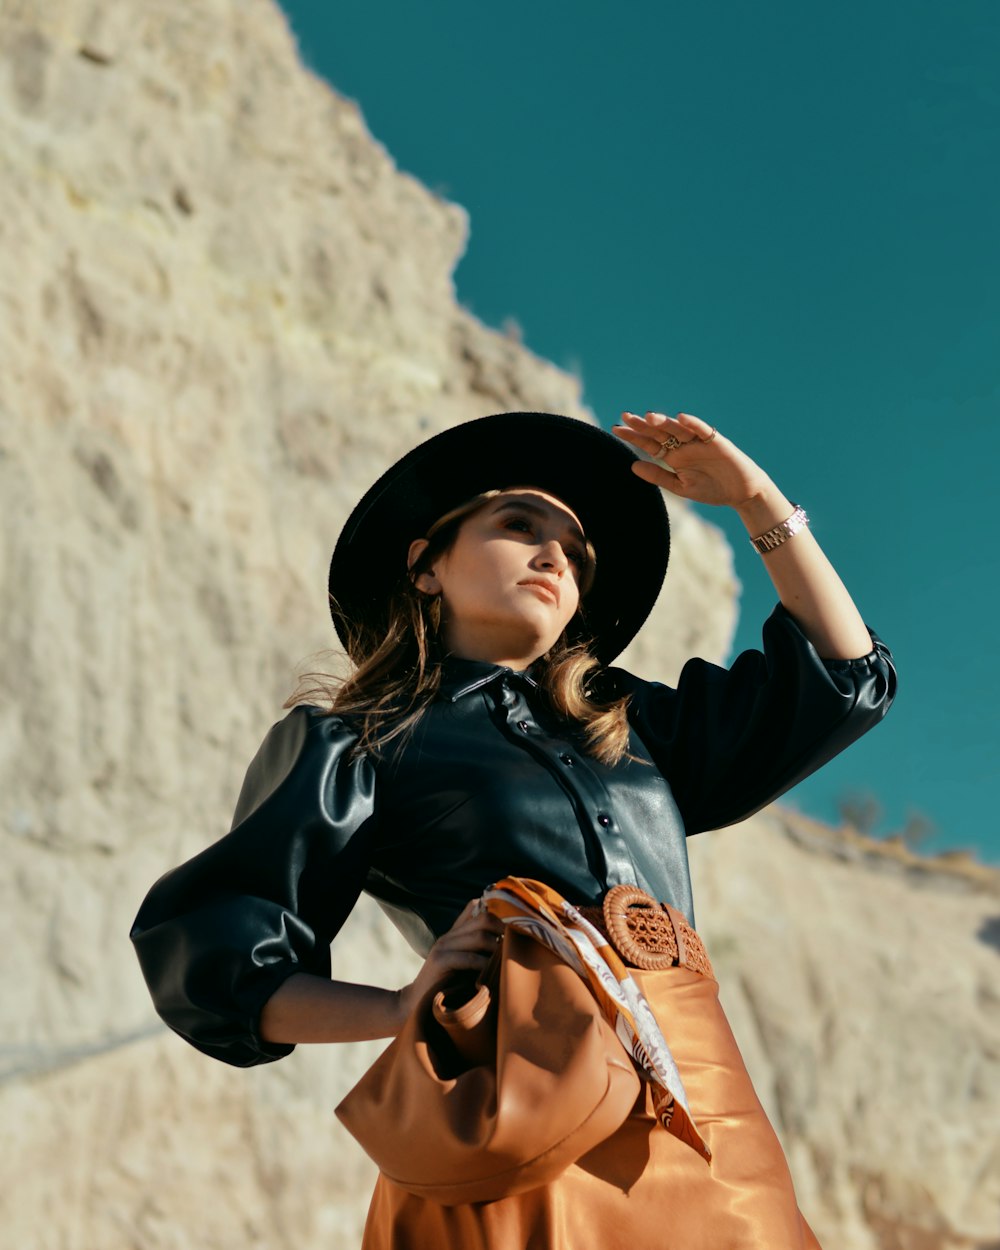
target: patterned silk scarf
539 911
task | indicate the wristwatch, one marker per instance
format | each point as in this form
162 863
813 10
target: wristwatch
781 532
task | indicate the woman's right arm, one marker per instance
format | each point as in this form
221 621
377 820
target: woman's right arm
307 1008
218 936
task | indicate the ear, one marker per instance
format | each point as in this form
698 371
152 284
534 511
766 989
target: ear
425 581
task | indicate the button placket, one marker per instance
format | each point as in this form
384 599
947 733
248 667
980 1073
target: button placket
580 779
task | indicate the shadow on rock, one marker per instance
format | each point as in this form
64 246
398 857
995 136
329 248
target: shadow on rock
989 932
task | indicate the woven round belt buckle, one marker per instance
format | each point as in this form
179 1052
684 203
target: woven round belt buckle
641 931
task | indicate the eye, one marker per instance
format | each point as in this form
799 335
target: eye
518 523
576 556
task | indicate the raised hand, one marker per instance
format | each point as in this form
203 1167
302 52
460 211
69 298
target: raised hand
696 461
699 463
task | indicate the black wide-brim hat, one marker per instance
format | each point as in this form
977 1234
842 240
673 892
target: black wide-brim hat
587 468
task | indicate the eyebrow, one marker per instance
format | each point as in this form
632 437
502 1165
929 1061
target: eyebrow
517 505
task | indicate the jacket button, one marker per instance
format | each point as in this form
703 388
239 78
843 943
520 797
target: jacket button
567 759
603 819
523 726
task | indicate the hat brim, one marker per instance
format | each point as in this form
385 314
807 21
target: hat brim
587 468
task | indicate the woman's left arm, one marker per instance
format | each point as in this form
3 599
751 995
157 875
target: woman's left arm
706 467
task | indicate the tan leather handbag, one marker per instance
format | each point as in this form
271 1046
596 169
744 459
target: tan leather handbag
498 1088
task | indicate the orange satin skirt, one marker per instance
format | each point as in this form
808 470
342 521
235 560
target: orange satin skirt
641 1187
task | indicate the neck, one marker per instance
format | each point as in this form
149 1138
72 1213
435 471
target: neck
518 663
487 651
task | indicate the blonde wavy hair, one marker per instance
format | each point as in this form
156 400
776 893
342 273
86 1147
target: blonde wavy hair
397 666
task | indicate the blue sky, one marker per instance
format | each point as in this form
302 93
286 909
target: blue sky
782 218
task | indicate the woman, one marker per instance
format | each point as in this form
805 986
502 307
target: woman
482 588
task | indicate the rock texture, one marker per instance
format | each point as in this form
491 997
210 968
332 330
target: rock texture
862 984
223 311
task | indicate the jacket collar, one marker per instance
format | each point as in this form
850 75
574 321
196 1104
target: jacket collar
460 677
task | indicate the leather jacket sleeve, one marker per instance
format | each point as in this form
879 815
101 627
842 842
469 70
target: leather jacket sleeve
729 741
216 936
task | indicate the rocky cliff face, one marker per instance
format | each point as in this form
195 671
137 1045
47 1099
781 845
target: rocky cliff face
223 312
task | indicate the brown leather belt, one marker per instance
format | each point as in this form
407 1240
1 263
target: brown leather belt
647 934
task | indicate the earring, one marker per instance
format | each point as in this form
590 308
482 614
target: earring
434 614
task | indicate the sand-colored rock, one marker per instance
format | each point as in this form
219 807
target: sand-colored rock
223 312
863 987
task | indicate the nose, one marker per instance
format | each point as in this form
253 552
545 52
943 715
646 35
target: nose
552 556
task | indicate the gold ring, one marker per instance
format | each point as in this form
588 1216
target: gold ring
670 443
711 436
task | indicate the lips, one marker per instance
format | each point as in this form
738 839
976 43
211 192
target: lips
550 589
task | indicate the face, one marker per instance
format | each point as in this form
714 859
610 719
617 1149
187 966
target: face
510 583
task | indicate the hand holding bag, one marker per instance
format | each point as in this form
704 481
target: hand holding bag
497 1087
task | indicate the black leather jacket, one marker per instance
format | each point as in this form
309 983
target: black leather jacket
490 784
